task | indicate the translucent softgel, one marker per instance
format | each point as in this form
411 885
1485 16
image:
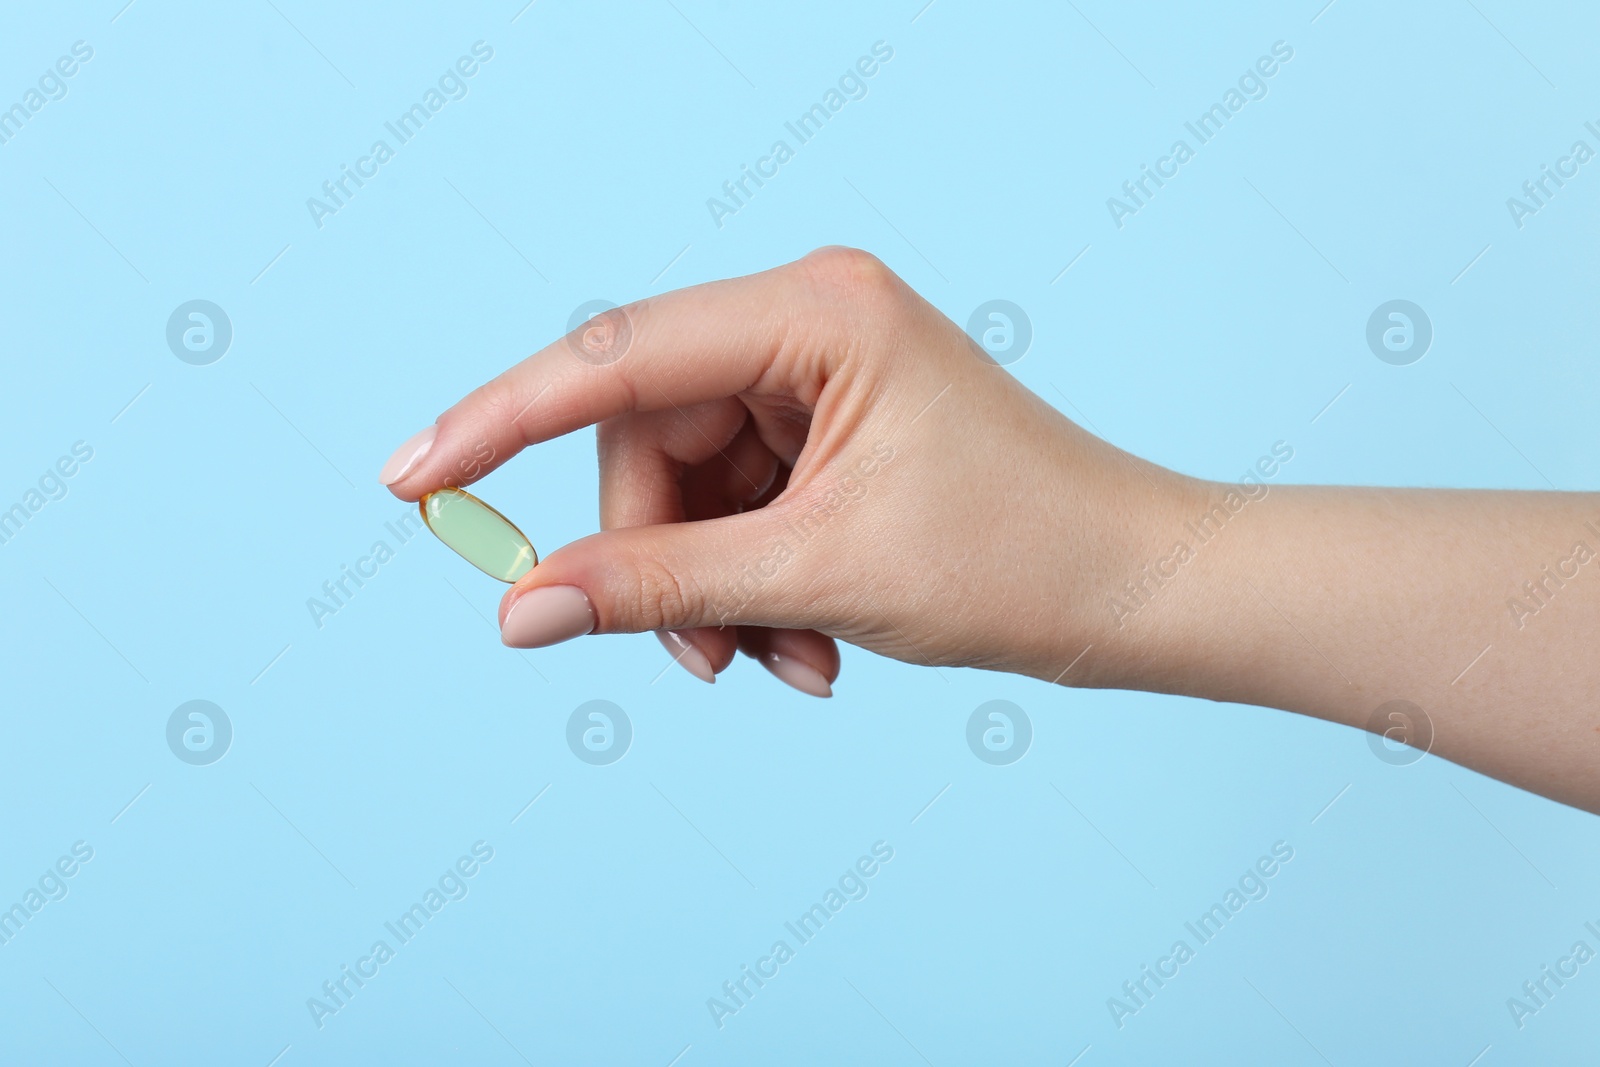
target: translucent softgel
480 534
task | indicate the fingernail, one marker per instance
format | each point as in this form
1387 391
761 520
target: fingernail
687 655
547 616
407 455
801 676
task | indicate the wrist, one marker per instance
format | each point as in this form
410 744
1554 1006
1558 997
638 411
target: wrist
1125 592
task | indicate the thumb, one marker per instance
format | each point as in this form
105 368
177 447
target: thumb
734 570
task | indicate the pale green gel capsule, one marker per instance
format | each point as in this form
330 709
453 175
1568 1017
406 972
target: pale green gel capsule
478 533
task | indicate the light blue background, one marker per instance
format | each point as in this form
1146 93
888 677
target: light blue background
374 751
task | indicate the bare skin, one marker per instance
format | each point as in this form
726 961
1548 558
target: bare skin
814 453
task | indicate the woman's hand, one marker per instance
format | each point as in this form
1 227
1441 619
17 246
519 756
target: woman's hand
805 454
815 453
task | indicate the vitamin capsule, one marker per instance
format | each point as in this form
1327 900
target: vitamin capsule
478 533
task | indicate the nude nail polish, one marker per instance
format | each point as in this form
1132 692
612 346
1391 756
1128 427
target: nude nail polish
547 616
407 456
687 655
797 674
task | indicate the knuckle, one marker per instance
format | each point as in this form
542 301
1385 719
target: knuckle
851 272
663 600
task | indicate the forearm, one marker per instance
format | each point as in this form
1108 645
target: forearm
1481 608
852 465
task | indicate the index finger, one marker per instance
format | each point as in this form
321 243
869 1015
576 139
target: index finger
773 329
